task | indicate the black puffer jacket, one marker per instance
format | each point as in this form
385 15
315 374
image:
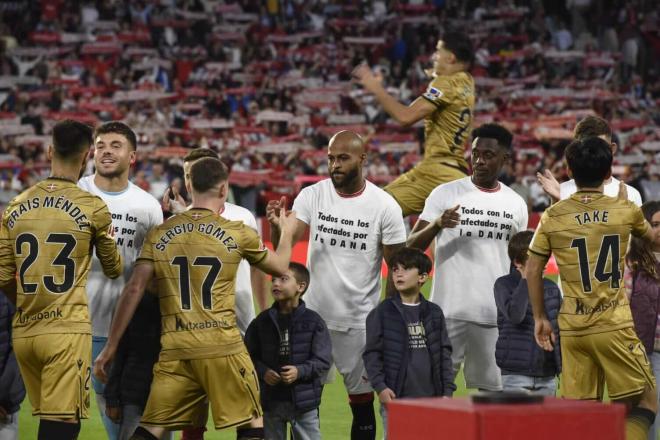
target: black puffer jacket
386 354
516 350
12 390
311 352
132 370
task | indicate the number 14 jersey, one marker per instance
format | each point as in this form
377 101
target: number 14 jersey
588 234
195 256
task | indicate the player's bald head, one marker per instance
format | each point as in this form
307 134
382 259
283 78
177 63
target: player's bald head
348 141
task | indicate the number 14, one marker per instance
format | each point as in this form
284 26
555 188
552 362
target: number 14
610 245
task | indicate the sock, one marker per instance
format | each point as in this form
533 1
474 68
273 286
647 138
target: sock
142 434
364 417
250 433
638 423
193 433
50 429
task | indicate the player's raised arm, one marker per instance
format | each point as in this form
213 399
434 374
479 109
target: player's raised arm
543 332
128 302
403 114
277 262
106 248
424 232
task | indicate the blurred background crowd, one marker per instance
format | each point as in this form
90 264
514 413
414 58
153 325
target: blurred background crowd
267 82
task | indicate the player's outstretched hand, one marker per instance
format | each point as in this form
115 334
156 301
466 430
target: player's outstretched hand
289 374
386 396
288 222
544 335
101 365
623 191
174 205
363 75
271 377
113 413
450 218
549 184
273 211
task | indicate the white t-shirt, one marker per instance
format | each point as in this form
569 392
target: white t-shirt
346 238
470 257
244 303
134 211
567 189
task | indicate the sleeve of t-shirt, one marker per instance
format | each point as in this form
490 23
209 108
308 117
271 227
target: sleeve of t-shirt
393 229
440 91
523 217
540 244
251 246
155 216
147 252
634 195
566 189
639 223
303 206
435 205
7 257
251 221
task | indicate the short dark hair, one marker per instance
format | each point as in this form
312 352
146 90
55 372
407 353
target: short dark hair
207 173
409 258
460 45
300 273
590 161
118 127
592 126
71 138
199 153
518 246
503 136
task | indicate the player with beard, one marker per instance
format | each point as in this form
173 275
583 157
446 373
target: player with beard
353 224
134 211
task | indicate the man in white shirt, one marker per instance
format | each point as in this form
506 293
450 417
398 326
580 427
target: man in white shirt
472 220
134 212
590 126
352 224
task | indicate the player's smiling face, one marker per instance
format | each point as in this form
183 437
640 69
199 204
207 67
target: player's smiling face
488 158
113 154
285 287
441 58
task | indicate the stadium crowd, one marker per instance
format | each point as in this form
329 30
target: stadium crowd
266 84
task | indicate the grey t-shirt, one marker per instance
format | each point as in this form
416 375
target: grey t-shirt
418 381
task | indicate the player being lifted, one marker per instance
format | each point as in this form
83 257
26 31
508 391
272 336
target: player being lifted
588 234
447 108
48 236
194 257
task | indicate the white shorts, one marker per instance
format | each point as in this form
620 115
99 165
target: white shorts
244 307
347 348
474 345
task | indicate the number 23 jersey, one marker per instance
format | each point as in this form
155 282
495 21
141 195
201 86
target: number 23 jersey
588 234
47 236
195 256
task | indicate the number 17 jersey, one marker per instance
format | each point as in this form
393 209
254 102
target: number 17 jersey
195 256
588 234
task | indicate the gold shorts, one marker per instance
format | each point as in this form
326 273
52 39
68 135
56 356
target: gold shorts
411 189
616 358
180 388
56 371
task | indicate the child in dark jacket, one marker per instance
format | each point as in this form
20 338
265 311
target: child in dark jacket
408 353
290 347
524 365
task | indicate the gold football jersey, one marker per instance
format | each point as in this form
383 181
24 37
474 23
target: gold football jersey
588 234
47 236
446 129
195 256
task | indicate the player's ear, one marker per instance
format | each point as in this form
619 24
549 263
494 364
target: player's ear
614 147
423 277
49 153
133 157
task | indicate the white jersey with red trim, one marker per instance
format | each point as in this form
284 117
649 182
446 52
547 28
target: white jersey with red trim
470 257
346 238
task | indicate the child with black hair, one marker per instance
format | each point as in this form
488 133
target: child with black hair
290 347
414 360
524 365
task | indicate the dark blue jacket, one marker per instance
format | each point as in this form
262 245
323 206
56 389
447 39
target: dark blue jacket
311 353
386 354
516 350
131 372
12 390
